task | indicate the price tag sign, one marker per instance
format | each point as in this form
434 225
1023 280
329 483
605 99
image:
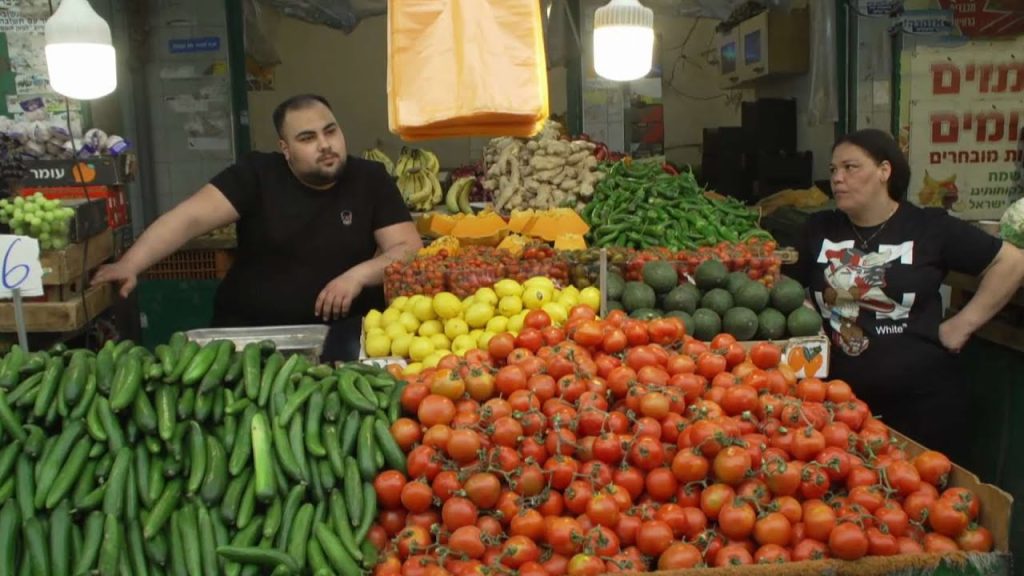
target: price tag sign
19 266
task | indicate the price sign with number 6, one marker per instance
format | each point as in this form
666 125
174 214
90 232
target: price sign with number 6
19 266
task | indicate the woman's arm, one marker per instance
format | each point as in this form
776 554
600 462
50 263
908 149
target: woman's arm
999 282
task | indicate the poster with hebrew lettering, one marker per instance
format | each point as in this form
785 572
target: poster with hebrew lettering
966 126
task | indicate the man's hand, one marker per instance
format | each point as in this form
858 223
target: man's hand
952 335
117 272
336 298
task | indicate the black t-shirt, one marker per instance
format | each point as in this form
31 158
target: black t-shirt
881 303
293 240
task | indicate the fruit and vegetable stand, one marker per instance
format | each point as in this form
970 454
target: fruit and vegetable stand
547 392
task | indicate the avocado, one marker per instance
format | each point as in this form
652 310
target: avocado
753 295
638 295
741 323
787 295
735 281
771 325
706 324
684 316
682 298
711 274
803 322
717 299
614 285
645 313
660 275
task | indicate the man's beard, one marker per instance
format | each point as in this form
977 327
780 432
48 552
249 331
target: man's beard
323 176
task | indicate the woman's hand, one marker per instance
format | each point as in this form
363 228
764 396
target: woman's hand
953 335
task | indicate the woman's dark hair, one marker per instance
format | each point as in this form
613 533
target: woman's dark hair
881 147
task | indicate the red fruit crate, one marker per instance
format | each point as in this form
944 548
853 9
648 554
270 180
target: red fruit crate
117 202
192 265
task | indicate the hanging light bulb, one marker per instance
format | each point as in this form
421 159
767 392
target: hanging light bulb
623 40
80 58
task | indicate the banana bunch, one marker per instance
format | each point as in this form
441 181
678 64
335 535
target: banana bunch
417 171
420 189
377 155
457 198
417 159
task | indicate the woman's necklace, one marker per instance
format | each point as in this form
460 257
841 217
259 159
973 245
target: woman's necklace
864 243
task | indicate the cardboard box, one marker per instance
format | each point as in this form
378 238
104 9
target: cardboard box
114 196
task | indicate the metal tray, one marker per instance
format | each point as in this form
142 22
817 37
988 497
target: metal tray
307 339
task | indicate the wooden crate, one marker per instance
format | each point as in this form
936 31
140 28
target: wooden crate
59 316
65 266
1006 328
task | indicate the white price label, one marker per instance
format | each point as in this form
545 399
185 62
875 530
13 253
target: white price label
19 266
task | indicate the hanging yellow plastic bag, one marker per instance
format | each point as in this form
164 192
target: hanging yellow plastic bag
466 68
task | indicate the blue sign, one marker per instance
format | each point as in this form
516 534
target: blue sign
189 45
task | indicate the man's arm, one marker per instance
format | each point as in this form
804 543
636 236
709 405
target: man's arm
396 242
202 212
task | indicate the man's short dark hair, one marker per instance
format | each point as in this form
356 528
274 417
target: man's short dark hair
296 102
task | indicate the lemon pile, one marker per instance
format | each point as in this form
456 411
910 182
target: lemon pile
425 329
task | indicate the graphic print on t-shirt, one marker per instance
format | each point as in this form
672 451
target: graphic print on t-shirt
855 285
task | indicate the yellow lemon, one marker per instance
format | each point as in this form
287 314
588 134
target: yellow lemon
412 369
557 312
467 302
430 327
395 330
410 322
591 298
515 323
455 327
535 297
378 346
487 295
507 287
485 339
434 359
463 344
399 303
447 305
441 342
498 324
373 331
539 282
389 317
410 304
509 306
423 309
372 320
475 334
400 345
420 348
478 314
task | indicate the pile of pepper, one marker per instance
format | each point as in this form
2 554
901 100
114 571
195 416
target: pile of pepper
638 205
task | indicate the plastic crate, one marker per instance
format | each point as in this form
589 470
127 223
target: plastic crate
192 265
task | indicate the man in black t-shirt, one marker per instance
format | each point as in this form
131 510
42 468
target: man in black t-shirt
316 229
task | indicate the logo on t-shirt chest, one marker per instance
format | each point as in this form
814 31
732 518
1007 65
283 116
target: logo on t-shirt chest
346 217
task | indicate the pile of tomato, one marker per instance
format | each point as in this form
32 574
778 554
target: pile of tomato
471 268
621 445
756 257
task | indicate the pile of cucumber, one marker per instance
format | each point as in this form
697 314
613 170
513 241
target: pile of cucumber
190 460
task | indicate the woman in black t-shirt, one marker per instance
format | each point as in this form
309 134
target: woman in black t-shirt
874 268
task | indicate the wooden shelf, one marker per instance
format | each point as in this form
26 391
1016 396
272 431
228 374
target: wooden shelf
59 316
